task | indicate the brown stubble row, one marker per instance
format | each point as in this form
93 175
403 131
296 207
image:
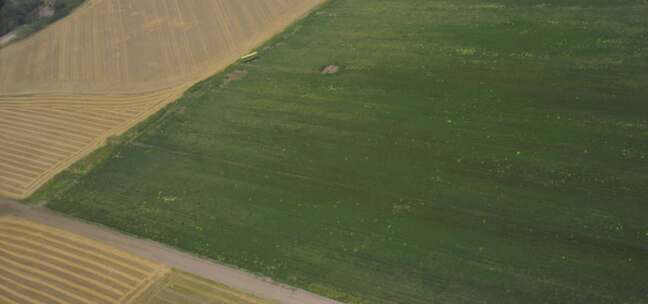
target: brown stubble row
182 288
31 143
39 140
40 264
110 65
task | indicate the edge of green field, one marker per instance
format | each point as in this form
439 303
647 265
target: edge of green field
69 177
533 122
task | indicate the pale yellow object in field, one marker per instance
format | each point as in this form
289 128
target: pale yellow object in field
108 66
250 57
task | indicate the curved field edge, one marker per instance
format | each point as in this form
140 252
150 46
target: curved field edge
70 174
81 150
56 187
21 180
67 174
520 174
142 46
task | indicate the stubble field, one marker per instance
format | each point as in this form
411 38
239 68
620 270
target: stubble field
182 288
42 264
108 66
465 152
39 264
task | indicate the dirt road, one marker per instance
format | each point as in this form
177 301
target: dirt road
238 279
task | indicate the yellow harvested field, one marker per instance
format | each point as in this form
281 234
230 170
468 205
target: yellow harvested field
40 264
183 288
108 66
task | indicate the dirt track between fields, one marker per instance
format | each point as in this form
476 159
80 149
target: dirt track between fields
234 278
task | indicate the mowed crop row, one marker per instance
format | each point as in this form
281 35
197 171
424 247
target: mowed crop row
39 264
183 288
110 65
43 135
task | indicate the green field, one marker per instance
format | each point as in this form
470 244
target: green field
466 152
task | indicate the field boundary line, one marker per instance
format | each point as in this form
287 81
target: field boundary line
148 250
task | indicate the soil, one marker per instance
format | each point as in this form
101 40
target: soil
233 76
330 69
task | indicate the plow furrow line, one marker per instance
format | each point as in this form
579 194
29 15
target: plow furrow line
103 114
113 112
25 288
50 124
94 114
102 255
56 135
150 94
125 275
18 162
52 115
13 176
67 287
79 103
32 148
36 282
175 297
39 162
6 167
7 189
74 114
63 271
39 156
6 181
196 285
76 104
26 139
108 277
10 296
202 296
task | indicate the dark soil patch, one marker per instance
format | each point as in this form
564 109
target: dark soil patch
233 76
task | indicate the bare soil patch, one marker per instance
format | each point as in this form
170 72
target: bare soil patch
330 69
233 76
